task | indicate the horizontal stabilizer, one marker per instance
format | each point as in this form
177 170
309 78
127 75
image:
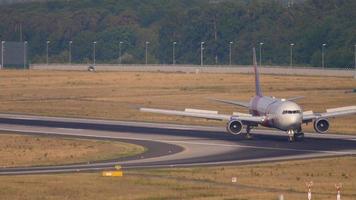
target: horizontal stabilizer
236 103
295 98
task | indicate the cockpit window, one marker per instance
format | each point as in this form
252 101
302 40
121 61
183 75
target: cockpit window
291 112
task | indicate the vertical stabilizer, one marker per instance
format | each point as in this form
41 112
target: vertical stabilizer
257 75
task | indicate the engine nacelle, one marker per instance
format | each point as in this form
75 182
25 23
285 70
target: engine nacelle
234 127
321 125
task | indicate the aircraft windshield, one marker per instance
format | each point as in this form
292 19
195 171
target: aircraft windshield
291 112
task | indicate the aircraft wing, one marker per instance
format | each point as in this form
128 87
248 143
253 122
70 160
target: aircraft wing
206 114
334 112
236 103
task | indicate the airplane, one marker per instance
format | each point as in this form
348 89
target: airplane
271 112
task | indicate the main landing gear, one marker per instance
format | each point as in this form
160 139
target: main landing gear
295 135
248 132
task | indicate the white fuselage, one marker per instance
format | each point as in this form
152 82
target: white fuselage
280 114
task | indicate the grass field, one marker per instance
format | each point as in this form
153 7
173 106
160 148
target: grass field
23 150
117 95
255 182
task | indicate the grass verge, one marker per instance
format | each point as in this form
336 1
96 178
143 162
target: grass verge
257 182
24 150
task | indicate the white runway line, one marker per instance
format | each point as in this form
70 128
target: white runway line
266 148
70 129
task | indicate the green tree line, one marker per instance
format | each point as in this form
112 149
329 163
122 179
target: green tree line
307 24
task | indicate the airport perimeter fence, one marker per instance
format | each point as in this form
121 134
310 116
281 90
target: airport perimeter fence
246 69
14 55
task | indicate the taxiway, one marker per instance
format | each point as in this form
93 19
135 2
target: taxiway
170 145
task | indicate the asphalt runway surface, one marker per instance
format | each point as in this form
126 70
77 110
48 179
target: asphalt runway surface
171 145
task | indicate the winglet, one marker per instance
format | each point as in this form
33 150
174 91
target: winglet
257 75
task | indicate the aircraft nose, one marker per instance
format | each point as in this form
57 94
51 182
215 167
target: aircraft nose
295 121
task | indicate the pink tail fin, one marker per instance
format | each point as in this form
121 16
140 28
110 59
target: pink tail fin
257 74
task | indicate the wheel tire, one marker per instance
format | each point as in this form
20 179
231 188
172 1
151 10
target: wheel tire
291 139
299 137
248 136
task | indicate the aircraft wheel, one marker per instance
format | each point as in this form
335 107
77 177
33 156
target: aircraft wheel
249 136
299 136
291 139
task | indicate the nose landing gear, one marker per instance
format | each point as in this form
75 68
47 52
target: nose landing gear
299 136
295 135
290 135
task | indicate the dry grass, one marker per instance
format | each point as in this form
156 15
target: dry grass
115 95
255 182
22 150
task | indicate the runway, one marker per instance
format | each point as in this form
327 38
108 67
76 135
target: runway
172 145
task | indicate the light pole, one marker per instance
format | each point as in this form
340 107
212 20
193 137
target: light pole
94 43
146 54
70 52
2 53
291 54
355 61
230 52
202 53
261 43
323 56
47 50
174 53
120 43
24 54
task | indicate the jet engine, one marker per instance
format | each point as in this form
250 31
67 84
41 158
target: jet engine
321 125
234 127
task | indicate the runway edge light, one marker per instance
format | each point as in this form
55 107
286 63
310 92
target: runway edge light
112 173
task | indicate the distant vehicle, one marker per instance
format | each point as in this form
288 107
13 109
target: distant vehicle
91 68
282 114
